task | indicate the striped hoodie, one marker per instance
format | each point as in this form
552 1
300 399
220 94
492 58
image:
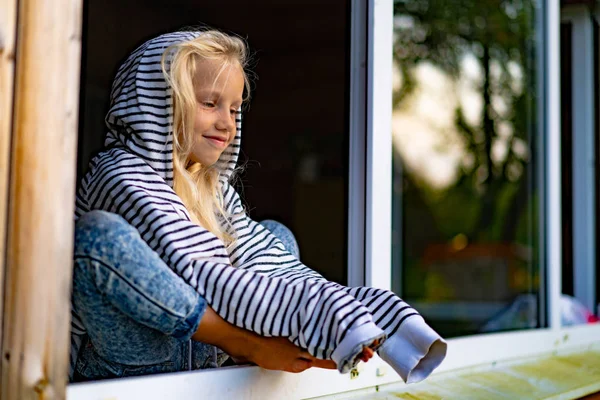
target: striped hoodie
255 284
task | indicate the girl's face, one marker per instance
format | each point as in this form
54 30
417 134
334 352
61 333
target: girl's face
218 97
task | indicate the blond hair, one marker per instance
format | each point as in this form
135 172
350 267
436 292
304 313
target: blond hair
198 185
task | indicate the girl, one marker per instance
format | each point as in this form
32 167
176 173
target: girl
161 234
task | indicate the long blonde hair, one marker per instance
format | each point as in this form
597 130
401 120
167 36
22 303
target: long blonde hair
198 185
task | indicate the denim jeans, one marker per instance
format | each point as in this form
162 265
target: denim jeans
139 315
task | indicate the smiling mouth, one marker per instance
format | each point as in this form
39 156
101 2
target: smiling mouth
218 141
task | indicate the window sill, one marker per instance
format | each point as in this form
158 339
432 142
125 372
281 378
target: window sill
566 374
468 355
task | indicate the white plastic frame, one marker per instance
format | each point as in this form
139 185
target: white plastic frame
379 145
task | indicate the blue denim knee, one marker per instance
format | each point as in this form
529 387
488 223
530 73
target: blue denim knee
138 313
284 234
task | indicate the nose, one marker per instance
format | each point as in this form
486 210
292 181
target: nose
225 121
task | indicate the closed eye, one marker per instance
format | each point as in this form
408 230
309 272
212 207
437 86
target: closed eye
208 104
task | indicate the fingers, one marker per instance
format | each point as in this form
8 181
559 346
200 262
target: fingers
320 363
300 365
279 353
305 354
367 354
327 364
304 363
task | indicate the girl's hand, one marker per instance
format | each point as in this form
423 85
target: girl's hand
278 353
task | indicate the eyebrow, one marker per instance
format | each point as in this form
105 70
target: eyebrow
209 92
215 93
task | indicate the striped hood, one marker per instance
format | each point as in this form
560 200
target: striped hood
140 117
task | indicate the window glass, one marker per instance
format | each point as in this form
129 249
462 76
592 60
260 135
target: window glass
466 156
566 124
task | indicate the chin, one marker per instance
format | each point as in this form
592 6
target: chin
206 160
209 162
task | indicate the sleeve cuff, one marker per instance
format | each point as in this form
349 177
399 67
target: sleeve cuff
415 350
186 328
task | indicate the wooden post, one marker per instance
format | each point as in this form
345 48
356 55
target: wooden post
8 24
42 180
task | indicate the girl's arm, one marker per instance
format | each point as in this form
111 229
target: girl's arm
276 353
291 301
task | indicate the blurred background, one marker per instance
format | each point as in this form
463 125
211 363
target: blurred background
468 186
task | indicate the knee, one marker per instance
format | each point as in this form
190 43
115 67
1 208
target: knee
100 227
278 229
284 234
275 226
101 222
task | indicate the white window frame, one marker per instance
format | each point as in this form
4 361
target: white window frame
378 271
484 350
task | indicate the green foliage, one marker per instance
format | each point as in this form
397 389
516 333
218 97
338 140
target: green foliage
499 34
494 199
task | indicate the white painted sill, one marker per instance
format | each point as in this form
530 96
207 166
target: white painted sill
256 383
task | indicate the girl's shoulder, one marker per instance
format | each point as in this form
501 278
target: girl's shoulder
116 160
118 165
113 156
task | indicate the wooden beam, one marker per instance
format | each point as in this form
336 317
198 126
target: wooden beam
8 24
41 202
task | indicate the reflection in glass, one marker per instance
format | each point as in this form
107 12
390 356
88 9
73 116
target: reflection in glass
466 188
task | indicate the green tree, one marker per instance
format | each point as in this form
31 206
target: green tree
500 35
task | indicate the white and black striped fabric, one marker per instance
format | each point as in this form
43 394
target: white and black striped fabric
256 284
